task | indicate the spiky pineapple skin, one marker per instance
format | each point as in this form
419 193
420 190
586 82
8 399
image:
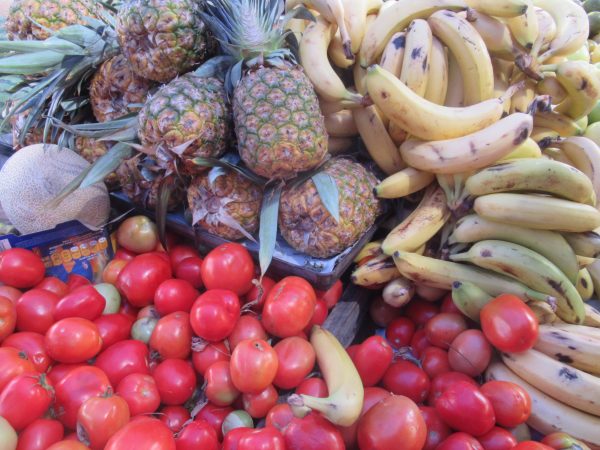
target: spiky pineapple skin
231 193
92 149
51 14
35 134
308 227
189 110
278 123
162 38
115 88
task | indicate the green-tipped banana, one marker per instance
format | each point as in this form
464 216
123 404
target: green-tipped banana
531 269
584 244
585 285
534 175
528 149
549 244
594 271
469 298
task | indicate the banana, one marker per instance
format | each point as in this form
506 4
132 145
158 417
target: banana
355 17
525 28
496 35
544 137
373 6
393 54
584 244
463 40
549 415
369 250
313 54
584 285
592 316
547 27
582 83
421 225
341 124
470 152
397 134
585 261
343 405
339 146
531 269
328 108
455 93
442 274
585 155
297 27
543 312
425 119
415 65
396 18
528 149
521 101
337 53
571 345
557 155
377 271
499 8
563 125
437 84
566 384
533 175
398 292
406 182
429 293
549 244
550 86
470 298
538 212
594 270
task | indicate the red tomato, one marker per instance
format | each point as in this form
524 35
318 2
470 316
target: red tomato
441 382
228 266
137 234
68 444
175 380
25 398
289 307
372 359
144 433
509 324
279 416
312 432
319 316
174 295
85 302
172 336
174 417
40 434
197 435
208 354
113 328
129 310
99 418
140 278
437 430
180 252
448 305
124 255
233 437
73 340
259 292
442 329
296 358
59 371
35 310
332 295
434 361
21 268
253 365
382 313
53 285
465 408
497 439
405 378
400 332
74 281
460 441
12 364
559 441
420 312
419 342
470 353
246 327
511 403
123 358
220 389
112 270
214 415
75 388
33 345
268 438
315 387
140 392
190 270
214 314
8 317
258 405
10 292
531 445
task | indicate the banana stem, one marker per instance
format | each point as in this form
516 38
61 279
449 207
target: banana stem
549 68
302 404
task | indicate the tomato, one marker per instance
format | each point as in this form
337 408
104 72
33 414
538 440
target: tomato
85 302
246 327
312 432
174 295
372 359
73 340
315 387
562 441
268 438
174 417
190 270
144 433
400 332
40 434
214 415
442 381
175 380
497 439
511 403
123 358
332 295
434 361
113 328
35 310
54 285
75 388
509 324
208 354
442 329
470 353
112 270
253 365
259 292
319 316
289 307
419 342
420 312
405 378
214 314
382 313
172 336
178 253
99 418
142 329
448 305
437 430
232 439
465 408
296 358
228 266
59 371
74 281
129 310
220 389
25 398
237 419
259 404
140 278
148 311
21 268
137 234
10 292
279 416
460 441
8 317
140 392
531 445
197 434
12 364
124 255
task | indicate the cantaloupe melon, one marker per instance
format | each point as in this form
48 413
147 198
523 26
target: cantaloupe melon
34 176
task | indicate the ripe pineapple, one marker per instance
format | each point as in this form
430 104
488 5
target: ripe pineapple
115 89
162 38
278 122
35 134
308 227
92 149
222 201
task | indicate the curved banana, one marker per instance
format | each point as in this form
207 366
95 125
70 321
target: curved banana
406 182
547 27
584 244
337 53
437 84
594 270
397 134
421 225
592 316
496 35
393 54
373 6
585 155
549 244
563 125
582 83
521 101
336 106
550 86
455 93
531 269
375 272
557 155
469 298
369 250
543 312
398 15
528 149
538 212
398 292
417 51
463 40
544 137
338 146
297 27
533 175
355 16
341 124
425 119
343 405
499 8
525 28
585 285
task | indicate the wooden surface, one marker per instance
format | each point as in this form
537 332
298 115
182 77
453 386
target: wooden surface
347 316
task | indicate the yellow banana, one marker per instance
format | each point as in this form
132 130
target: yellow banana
406 182
528 149
397 134
592 316
337 53
563 125
373 6
584 285
393 54
499 8
543 312
470 299
336 106
338 145
370 249
584 244
594 270
455 93
585 261
415 65
525 28
341 124
547 27
582 83
544 137
355 16
398 292
550 86
521 101
297 27
377 271
496 35
585 155
571 344
437 84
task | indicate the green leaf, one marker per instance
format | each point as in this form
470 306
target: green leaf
165 189
107 164
30 63
268 227
215 67
328 192
212 162
50 44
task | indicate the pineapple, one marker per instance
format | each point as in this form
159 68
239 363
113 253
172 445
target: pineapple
92 149
162 38
308 227
115 89
278 123
34 135
223 201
